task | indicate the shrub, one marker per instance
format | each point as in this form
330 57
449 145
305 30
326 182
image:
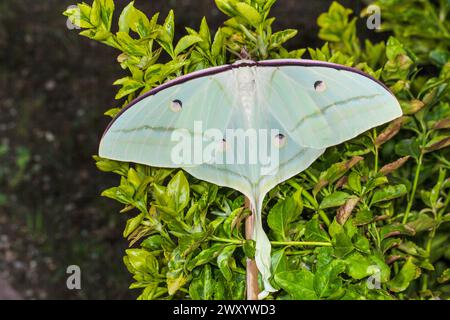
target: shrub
365 221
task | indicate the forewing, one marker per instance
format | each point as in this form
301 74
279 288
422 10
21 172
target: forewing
322 106
144 132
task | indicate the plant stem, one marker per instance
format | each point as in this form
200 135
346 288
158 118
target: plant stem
428 250
375 150
414 188
314 203
299 253
443 209
234 241
376 159
438 216
278 243
324 217
301 243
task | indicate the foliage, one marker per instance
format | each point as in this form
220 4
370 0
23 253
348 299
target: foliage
368 220
15 173
429 35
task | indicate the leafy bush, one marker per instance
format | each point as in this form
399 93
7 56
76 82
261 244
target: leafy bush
365 221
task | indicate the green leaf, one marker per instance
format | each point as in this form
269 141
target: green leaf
324 256
335 172
226 6
399 63
381 268
218 46
403 278
268 5
175 280
299 284
326 278
279 261
224 260
219 288
123 194
230 222
284 213
132 224
134 178
445 276
423 222
361 266
107 165
249 248
439 57
438 143
394 48
248 13
374 183
412 249
178 191
205 34
408 147
160 194
336 199
435 191
354 182
107 13
112 112
362 244
187 243
166 34
152 243
186 42
131 46
336 27
237 288
205 256
202 287
313 231
129 86
96 10
395 230
362 217
80 16
341 241
278 38
134 19
169 25
358 266
389 193
141 261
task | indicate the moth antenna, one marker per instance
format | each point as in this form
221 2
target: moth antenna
245 55
234 53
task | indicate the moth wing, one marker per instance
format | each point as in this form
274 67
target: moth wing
152 129
322 106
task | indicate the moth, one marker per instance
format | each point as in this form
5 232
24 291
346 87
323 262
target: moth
249 126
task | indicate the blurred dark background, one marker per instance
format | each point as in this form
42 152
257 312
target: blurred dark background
54 88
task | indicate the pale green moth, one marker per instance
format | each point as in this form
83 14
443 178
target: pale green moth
302 107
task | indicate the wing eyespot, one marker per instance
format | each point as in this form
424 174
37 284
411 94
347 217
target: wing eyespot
176 105
280 140
320 86
222 146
